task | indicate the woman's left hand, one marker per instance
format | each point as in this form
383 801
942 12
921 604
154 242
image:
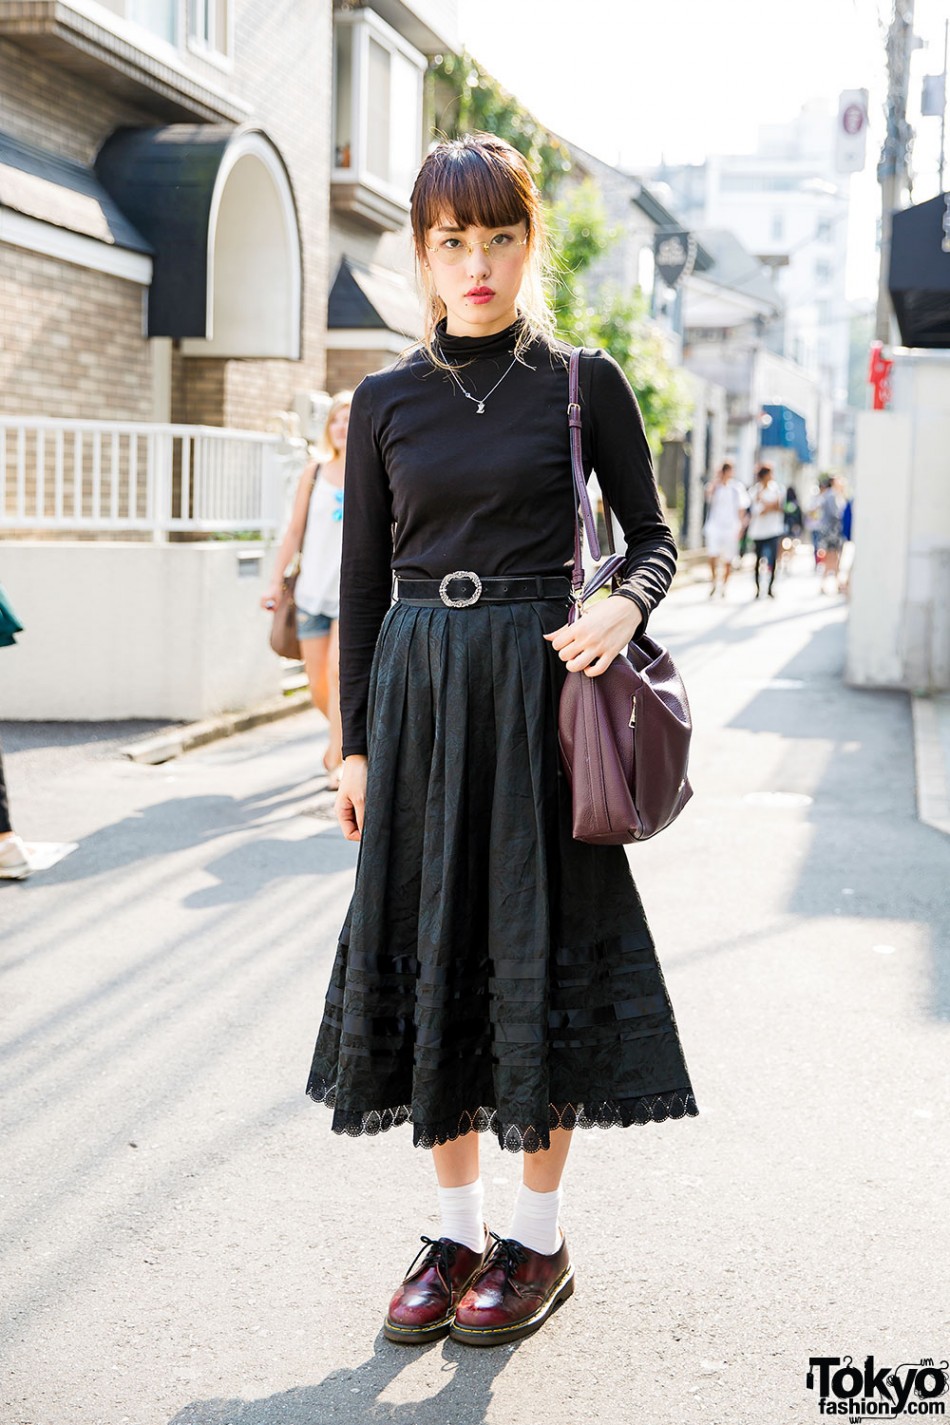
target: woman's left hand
592 642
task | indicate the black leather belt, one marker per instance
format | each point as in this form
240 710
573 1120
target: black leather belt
463 589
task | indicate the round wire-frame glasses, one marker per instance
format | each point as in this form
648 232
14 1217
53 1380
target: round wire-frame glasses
497 248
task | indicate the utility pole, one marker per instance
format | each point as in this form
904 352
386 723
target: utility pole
943 111
893 168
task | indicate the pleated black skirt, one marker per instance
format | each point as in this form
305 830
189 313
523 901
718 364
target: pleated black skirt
492 974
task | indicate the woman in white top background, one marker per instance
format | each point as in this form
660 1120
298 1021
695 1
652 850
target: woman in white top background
316 531
726 503
766 524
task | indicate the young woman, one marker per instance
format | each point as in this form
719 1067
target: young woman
766 525
726 503
316 524
492 973
14 862
830 539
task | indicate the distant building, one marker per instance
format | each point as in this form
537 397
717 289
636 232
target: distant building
790 209
380 55
734 327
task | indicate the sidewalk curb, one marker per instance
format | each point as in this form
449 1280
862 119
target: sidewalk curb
933 787
152 751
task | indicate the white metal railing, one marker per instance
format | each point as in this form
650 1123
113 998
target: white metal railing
129 477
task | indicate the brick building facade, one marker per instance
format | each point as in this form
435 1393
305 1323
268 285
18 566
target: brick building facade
102 305
74 337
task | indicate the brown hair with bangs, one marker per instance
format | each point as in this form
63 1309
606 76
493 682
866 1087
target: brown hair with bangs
480 180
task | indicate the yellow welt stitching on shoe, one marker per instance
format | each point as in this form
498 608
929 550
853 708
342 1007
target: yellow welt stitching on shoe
517 1325
415 1330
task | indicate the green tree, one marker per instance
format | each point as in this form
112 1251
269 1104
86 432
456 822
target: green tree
465 99
618 322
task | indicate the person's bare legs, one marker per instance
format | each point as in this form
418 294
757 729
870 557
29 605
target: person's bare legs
713 573
456 1164
314 653
542 1171
333 756
321 661
829 569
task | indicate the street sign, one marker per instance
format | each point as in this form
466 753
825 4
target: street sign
674 254
851 131
933 98
879 376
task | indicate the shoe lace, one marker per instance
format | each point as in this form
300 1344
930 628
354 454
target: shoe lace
507 1255
438 1252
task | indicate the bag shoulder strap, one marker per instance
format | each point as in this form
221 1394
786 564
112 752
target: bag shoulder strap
584 516
303 532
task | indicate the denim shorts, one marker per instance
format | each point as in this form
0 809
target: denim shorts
312 625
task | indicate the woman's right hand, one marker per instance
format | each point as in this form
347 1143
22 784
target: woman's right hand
271 599
351 798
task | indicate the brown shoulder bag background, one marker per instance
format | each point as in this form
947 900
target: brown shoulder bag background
283 629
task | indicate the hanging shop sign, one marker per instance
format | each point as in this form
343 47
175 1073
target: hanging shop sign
674 254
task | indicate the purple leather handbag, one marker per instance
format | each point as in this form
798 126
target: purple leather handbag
624 735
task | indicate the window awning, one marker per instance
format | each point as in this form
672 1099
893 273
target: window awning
786 430
374 299
54 190
216 204
919 277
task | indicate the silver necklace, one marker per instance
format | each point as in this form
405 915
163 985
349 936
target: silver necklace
480 400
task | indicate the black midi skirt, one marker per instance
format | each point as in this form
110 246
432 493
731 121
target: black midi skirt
492 974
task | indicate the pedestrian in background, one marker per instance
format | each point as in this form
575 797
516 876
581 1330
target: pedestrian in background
794 525
766 524
14 860
493 974
315 532
830 539
726 502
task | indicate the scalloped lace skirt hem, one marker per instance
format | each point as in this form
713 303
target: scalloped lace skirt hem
512 1137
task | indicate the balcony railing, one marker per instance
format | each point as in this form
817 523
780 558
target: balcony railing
132 479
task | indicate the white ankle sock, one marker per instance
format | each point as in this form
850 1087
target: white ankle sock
534 1223
461 1214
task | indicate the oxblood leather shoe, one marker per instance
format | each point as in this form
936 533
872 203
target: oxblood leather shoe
423 1307
513 1295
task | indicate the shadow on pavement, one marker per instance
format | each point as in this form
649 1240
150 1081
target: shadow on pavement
27 736
179 823
351 1396
244 872
852 751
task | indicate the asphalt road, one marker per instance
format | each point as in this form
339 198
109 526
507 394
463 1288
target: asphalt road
183 1241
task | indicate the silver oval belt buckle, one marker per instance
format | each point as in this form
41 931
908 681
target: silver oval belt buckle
460 603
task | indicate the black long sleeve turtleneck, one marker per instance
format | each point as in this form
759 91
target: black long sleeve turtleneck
432 486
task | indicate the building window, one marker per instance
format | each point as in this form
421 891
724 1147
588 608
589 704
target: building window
159 17
377 130
823 231
208 25
778 227
822 271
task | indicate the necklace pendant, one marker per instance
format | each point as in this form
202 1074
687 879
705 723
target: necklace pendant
480 408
